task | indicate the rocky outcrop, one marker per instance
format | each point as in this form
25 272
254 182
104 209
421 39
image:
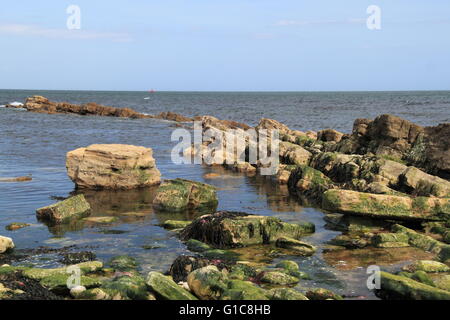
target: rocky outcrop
43 105
112 166
420 183
328 135
180 194
6 244
226 229
63 212
386 206
400 139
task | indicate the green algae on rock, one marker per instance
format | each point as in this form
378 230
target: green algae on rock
123 263
175 224
165 288
285 294
208 283
385 206
297 246
278 278
309 182
180 195
398 287
236 229
424 242
243 290
64 211
390 240
427 266
131 286
322 294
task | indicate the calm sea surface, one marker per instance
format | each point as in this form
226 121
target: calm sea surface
36 144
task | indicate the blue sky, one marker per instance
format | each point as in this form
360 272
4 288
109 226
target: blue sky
227 45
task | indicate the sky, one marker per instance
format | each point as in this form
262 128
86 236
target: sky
227 45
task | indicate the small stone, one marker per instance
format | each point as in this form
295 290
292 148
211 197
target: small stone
77 291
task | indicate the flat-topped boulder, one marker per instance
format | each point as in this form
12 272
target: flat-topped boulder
386 206
227 229
112 166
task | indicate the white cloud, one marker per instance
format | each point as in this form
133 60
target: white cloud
37 31
284 23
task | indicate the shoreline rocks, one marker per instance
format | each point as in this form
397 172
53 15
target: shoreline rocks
112 166
181 194
63 212
226 229
6 244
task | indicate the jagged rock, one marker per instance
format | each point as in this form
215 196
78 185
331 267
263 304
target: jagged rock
399 287
112 166
172 116
63 212
181 194
293 154
306 181
385 206
329 135
183 265
165 288
6 244
233 229
423 184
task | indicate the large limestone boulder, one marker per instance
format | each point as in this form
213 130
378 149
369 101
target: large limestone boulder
112 166
64 211
180 194
386 206
236 229
6 244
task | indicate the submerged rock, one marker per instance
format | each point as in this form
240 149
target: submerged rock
6 244
235 229
165 288
180 194
399 287
386 206
123 263
299 247
175 224
112 166
63 212
16 226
